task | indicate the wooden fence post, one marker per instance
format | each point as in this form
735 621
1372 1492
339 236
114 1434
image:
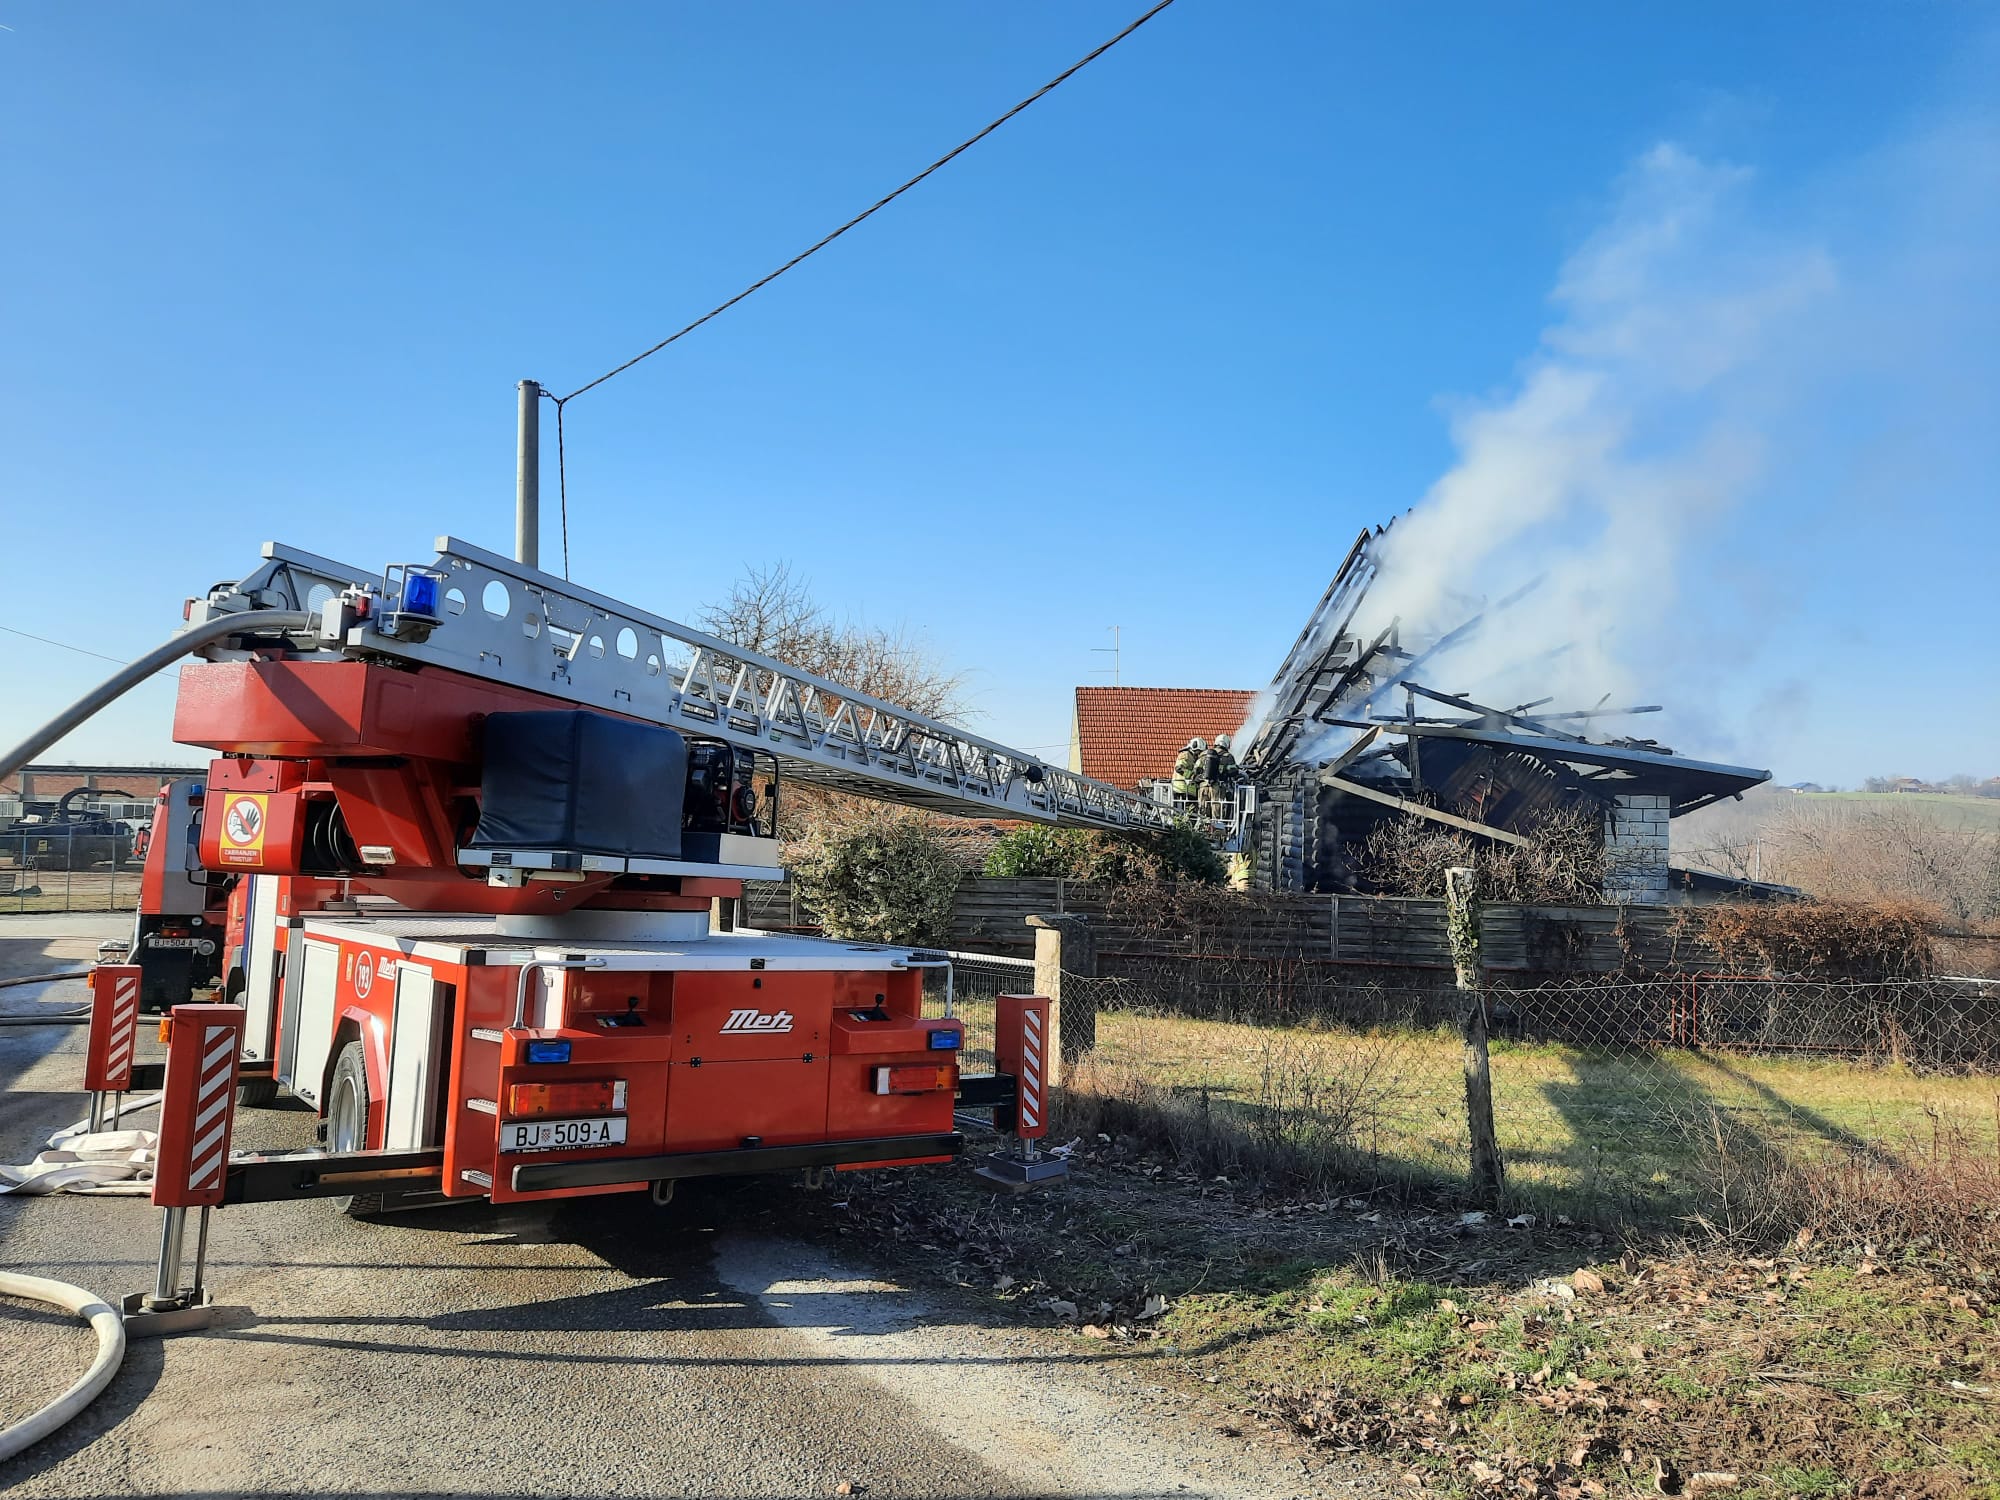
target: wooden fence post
1489 1179
1065 950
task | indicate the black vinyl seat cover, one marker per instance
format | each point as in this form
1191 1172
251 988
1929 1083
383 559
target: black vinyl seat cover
572 779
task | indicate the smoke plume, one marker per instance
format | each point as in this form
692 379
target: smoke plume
1620 435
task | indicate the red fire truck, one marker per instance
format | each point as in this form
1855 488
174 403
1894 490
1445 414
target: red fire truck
476 822
178 934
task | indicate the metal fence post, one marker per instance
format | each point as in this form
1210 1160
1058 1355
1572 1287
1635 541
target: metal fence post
1489 1178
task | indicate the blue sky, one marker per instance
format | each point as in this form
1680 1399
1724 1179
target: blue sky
1149 356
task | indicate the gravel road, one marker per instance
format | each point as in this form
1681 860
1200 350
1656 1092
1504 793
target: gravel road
595 1348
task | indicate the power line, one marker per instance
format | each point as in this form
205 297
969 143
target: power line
29 635
879 204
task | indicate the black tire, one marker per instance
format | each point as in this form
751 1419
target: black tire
251 1093
347 1122
256 1093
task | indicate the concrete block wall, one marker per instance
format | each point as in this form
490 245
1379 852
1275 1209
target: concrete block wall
1635 848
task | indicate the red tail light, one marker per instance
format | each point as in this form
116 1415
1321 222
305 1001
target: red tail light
525 1099
917 1078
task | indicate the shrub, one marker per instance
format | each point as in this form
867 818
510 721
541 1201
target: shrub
1857 939
1033 850
884 877
1179 853
1562 864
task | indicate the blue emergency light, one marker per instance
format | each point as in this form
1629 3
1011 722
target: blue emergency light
945 1041
548 1052
420 594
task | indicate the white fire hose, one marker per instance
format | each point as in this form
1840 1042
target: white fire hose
105 1321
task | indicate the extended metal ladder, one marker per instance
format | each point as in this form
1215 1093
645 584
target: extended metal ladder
507 622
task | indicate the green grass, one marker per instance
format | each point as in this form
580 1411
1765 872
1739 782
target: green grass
1698 1363
1577 1128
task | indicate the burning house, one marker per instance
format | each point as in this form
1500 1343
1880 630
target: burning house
1358 726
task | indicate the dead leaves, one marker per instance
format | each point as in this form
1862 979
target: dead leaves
1350 1421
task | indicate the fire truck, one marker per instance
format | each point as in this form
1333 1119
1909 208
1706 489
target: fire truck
179 931
477 823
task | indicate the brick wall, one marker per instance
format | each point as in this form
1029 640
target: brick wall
48 783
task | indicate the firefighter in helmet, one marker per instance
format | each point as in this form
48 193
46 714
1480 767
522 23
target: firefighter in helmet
1219 773
1187 771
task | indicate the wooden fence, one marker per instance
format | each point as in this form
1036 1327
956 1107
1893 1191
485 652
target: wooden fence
991 916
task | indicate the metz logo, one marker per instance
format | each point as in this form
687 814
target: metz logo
757 1020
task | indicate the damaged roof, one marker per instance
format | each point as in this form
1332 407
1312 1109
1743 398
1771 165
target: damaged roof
1494 769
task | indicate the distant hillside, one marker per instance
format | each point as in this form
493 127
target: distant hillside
1745 819
1952 811
1935 848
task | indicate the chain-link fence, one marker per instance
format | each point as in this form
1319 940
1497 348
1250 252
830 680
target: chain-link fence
1611 1097
57 869
966 985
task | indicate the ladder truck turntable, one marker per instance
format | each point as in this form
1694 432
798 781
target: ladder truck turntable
480 818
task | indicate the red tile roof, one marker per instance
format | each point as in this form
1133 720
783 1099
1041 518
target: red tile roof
1125 733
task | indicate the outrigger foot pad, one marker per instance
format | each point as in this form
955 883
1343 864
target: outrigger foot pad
1014 1174
150 1317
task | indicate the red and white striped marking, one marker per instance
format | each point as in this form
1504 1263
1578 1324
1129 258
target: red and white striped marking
210 1153
114 1028
1030 1087
1020 1046
198 1106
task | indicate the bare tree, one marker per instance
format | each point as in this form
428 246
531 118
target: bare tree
1895 852
772 611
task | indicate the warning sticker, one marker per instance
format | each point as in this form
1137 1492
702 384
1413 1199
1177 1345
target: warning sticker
243 821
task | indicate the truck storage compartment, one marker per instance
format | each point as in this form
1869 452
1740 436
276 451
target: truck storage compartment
581 781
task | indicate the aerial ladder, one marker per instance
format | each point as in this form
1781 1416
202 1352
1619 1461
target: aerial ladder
479 818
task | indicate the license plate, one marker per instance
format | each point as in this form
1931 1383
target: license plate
562 1135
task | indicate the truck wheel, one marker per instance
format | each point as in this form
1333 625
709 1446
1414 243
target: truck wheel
257 1093
251 1093
347 1122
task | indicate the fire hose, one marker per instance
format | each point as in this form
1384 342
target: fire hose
119 683
105 1321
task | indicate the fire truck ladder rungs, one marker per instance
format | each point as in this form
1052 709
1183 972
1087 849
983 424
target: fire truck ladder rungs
506 622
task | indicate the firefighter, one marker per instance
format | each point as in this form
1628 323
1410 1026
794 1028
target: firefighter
1227 771
1187 771
1218 779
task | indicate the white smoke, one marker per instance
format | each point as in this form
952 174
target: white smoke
1634 422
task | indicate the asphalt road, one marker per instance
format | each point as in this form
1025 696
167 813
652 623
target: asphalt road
596 1348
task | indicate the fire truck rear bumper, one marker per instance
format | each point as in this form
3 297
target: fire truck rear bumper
631 1171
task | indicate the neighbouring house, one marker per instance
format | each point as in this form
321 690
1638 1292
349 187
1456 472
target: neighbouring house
1129 735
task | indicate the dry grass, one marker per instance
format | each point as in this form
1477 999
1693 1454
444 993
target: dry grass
1938 1196
71 890
1609 1135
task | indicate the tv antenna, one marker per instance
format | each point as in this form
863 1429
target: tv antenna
1113 652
